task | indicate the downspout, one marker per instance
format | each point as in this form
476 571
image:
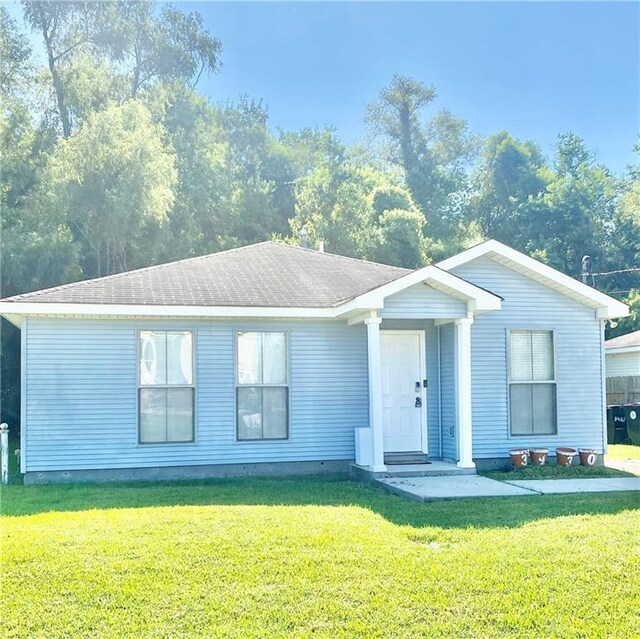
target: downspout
439 397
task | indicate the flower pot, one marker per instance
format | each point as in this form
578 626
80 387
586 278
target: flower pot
519 457
588 456
539 456
565 456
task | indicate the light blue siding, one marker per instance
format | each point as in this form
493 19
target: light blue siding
433 390
448 391
81 381
421 301
529 305
81 404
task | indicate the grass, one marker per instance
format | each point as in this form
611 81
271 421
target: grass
617 451
314 558
554 472
623 451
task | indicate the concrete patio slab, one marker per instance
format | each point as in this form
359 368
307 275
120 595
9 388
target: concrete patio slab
451 487
559 486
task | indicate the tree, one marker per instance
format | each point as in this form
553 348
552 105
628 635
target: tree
511 175
65 28
432 154
577 207
128 42
262 170
112 179
200 219
632 321
401 239
171 46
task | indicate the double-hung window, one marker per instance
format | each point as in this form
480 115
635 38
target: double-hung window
532 383
262 390
166 391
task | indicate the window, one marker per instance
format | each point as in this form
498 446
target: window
262 390
166 392
532 385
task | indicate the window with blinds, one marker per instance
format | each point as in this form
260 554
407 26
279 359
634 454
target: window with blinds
532 383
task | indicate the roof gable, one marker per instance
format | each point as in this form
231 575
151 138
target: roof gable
606 307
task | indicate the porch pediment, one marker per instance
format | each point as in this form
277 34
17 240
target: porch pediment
422 301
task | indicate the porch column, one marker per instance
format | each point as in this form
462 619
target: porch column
463 391
375 394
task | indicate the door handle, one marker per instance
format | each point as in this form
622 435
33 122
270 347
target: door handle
418 402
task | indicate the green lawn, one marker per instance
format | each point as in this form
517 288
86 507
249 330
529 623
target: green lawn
616 451
554 472
622 451
314 558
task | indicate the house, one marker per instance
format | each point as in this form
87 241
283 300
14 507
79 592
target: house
622 363
278 359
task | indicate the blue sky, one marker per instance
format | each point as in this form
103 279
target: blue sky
535 69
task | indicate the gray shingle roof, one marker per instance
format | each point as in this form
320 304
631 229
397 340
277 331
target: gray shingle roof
630 339
263 275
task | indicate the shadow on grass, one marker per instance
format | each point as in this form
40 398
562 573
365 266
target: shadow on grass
315 491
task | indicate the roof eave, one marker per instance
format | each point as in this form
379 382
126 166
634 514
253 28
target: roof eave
619 350
43 309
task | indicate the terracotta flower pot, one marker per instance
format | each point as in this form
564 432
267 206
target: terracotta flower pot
565 456
539 456
588 456
519 457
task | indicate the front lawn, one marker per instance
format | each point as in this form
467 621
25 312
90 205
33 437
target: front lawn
315 558
622 451
554 472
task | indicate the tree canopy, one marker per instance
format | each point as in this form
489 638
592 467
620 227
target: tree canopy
112 159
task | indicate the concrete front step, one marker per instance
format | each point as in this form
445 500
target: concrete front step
432 469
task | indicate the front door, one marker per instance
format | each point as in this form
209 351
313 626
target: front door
403 397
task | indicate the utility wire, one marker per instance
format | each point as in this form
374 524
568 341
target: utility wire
622 270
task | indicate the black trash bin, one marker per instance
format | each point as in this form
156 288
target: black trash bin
617 425
632 415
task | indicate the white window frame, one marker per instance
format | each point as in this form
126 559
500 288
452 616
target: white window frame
141 386
553 382
286 385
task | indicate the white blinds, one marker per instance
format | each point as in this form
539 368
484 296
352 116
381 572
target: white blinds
531 356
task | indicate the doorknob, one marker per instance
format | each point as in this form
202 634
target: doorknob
418 402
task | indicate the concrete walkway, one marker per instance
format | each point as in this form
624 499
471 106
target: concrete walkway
453 487
599 485
462 487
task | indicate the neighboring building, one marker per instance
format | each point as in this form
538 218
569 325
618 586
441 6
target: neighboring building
623 368
275 359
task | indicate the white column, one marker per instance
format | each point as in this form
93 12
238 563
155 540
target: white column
375 394
463 392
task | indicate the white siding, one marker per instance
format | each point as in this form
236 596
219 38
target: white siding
529 305
622 364
81 403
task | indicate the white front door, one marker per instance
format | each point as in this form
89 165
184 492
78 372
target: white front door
403 396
